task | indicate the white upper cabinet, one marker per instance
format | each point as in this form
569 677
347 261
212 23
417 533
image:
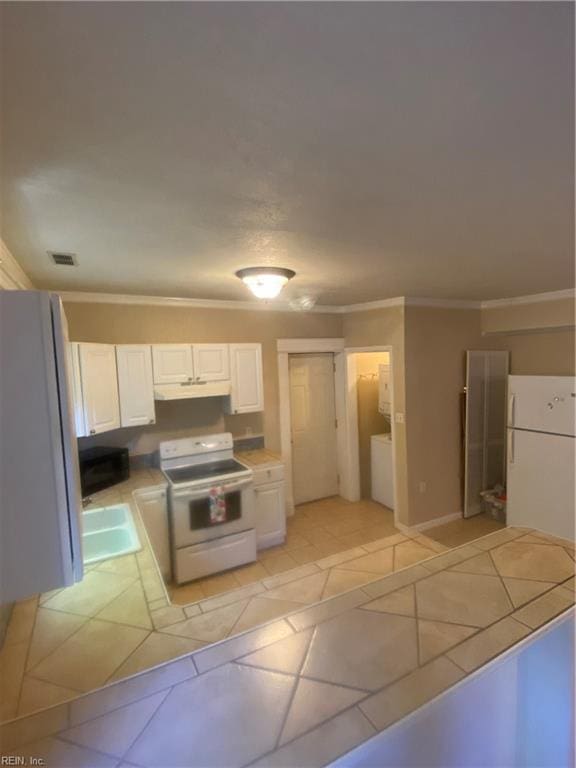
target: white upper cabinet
99 387
172 363
247 393
211 362
135 384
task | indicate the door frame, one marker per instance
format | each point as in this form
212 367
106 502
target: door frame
349 387
285 348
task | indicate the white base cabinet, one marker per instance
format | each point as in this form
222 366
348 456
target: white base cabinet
270 506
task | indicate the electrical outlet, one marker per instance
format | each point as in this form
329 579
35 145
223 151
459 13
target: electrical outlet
399 417
422 486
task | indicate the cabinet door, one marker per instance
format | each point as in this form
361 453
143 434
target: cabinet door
74 355
246 374
99 387
211 362
270 515
172 363
135 385
154 512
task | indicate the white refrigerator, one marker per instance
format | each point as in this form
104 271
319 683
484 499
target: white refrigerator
40 501
540 455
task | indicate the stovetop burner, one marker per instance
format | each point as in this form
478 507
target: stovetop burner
205 471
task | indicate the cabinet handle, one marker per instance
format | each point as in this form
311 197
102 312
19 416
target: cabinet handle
152 421
92 431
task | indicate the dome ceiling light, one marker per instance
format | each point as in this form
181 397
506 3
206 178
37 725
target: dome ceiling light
265 282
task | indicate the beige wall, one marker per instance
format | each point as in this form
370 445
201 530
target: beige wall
428 374
385 327
540 336
137 324
540 315
436 342
370 421
549 353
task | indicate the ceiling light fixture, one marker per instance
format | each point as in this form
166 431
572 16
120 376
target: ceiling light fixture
265 282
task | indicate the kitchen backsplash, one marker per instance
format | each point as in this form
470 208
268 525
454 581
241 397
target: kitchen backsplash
176 419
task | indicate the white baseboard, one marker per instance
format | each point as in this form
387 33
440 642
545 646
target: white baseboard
429 523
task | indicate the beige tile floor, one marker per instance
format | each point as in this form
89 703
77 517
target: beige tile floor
462 531
118 620
306 688
316 530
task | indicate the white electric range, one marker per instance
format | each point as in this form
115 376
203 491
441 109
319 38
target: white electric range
196 468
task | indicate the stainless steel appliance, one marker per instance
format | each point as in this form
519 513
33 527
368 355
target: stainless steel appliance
201 470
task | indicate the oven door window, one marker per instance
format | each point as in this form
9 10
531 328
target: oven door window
200 511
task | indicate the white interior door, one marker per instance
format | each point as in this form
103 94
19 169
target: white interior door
313 425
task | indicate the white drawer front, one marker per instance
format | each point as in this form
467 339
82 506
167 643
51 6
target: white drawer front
215 556
271 475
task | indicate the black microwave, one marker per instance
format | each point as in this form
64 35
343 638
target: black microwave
102 467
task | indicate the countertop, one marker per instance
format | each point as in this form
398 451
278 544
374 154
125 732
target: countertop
307 687
259 458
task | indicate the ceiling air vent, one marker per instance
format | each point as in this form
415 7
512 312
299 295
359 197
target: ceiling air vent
64 259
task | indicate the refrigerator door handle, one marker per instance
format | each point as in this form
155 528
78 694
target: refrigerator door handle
511 409
510 446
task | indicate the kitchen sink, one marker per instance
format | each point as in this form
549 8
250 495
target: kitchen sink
108 532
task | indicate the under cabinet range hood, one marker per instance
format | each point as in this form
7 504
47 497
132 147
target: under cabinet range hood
189 390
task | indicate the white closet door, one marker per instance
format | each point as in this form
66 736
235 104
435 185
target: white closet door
99 387
211 362
135 384
172 363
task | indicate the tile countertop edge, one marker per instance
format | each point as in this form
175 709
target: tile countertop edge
466 679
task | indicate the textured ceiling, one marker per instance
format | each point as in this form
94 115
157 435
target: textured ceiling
378 149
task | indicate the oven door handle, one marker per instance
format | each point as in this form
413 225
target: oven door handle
198 493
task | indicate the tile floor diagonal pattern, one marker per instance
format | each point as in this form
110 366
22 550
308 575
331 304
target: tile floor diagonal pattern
303 697
107 627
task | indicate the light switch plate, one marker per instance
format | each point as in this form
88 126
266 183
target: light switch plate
399 417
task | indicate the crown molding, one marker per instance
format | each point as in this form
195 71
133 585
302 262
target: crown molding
86 297
12 276
443 303
309 345
284 306
366 306
535 298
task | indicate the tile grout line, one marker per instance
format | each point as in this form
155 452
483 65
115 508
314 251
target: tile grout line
371 598
140 644
146 601
294 689
27 656
148 721
502 580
